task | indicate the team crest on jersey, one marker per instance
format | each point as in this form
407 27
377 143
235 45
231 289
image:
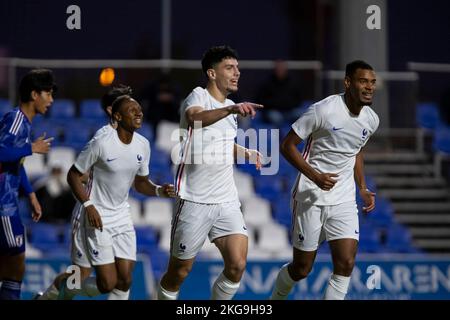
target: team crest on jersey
364 134
139 158
19 240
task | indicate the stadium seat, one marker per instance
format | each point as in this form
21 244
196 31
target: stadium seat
92 109
35 165
45 126
5 107
77 134
399 239
244 184
442 139
45 236
146 237
257 211
167 135
427 115
274 239
282 212
269 187
64 156
369 239
62 109
158 212
136 211
147 131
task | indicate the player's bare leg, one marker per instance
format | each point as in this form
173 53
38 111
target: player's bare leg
293 272
171 281
104 282
234 252
52 292
343 252
12 270
124 279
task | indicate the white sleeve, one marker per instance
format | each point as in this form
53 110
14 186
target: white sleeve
306 124
88 156
143 169
195 99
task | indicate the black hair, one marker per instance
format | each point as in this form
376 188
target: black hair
354 65
215 55
36 80
119 102
113 93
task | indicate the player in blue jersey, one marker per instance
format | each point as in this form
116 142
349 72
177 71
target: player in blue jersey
36 95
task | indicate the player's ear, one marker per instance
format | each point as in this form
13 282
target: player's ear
109 110
347 82
34 94
211 74
117 116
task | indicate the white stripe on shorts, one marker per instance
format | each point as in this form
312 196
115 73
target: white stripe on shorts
8 232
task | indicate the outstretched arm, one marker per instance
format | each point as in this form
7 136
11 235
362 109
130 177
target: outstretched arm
367 195
289 150
144 185
208 117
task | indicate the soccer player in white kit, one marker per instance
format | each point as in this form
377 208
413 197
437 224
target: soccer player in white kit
208 203
115 160
323 200
52 292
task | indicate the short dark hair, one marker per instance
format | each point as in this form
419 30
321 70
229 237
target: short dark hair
119 102
354 65
215 55
113 93
36 80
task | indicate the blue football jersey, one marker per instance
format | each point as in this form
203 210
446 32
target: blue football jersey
15 140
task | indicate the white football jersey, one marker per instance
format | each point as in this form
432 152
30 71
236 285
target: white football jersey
205 173
112 167
333 137
105 129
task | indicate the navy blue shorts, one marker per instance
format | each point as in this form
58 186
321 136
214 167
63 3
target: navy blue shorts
12 235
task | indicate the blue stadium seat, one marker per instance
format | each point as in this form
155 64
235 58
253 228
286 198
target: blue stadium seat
91 109
399 239
381 216
281 211
427 115
45 236
146 237
62 109
442 139
369 239
4 107
147 131
269 187
47 127
77 134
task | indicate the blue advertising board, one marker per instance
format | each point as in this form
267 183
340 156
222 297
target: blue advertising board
396 277
40 273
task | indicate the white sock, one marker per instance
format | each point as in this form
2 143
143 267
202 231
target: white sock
117 294
50 294
164 294
88 289
337 287
283 284
223 288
